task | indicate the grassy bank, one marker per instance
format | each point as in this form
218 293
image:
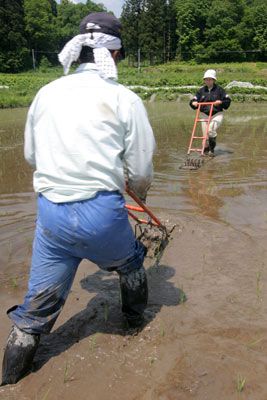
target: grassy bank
165 82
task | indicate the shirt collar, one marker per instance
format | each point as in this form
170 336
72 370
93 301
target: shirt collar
87 67
213 87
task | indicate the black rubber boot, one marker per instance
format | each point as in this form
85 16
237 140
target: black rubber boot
20 350
206 150
134 295
212 145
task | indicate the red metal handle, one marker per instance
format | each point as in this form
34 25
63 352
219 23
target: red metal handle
141 220
134 208
208 103
142 208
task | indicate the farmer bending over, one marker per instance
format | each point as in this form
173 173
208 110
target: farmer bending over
83 132
211 92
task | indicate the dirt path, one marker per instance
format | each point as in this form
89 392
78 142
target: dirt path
205 335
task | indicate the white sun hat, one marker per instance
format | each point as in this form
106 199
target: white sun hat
210 73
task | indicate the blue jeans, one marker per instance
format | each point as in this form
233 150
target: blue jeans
97 229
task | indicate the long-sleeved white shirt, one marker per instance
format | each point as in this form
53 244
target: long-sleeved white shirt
81 132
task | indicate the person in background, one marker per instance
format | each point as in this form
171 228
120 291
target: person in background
83 131
211 92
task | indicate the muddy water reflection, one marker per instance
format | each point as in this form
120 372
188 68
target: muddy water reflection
17 205
231 188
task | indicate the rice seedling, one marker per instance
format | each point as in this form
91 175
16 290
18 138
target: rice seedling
14 282
162 331
258 285
92 342
46 394
3 213
253 343
66 372
152 360
9 252
67 377
181 296
240 383
28 244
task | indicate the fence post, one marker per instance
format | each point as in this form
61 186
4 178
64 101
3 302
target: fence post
33 60
139 60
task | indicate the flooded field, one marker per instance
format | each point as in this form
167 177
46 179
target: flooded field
212 344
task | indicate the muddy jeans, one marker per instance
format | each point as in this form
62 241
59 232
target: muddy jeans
97 229
215 123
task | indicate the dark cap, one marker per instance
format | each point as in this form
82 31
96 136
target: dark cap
106 23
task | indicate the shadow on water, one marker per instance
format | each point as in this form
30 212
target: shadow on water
222 152
103 312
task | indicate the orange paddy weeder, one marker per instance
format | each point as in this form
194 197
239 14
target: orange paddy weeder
152 233
195 163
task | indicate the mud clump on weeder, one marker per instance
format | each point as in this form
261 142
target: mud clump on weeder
154 238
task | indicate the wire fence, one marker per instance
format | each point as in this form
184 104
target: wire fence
139 59
143 60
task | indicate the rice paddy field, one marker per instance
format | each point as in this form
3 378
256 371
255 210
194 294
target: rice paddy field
205 334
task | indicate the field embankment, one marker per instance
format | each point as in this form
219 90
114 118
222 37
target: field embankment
170 81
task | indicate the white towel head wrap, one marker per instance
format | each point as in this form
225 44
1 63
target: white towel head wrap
103 35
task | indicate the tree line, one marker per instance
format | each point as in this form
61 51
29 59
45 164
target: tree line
39 29
154 30
198 30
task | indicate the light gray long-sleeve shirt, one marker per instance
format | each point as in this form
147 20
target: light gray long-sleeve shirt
81 132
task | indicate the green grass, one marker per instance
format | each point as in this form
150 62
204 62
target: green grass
23 87
175 73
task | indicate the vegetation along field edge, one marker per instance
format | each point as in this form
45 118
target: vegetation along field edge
169 81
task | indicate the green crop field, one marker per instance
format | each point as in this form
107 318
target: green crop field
167 81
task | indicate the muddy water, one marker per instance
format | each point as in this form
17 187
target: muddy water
228 185
218 256
17 208
231 188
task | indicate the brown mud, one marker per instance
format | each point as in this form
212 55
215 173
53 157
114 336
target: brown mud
205 335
